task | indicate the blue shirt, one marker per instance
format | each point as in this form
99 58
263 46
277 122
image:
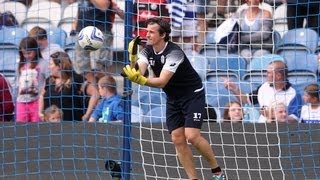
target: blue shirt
109 109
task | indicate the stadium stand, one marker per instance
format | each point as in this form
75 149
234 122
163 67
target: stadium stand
44 14
68 17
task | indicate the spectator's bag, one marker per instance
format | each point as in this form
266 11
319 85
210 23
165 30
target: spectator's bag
227 35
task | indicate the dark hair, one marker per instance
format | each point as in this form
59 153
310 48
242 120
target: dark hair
29 44
38 33
163 24
312 90
108 82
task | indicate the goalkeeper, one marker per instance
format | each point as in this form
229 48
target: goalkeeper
173 73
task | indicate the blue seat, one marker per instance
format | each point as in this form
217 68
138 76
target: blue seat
261 63
12 36
199 63
276 38
155 115
302 67
136 114
149 98
57 36
8 62
217 95
232 64
300 39
210 37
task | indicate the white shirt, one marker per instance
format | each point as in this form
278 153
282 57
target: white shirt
50 49
309 115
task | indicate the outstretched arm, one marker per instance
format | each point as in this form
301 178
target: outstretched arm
231 86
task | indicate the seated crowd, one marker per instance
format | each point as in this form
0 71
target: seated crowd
50 88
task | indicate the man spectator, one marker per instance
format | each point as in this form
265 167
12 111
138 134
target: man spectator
276 88
101 14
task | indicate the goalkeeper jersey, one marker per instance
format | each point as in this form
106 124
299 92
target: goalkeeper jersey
185 79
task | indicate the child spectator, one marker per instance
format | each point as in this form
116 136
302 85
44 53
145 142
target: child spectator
6 101
233 112
277 112
310 112
53 114
30 81
110 108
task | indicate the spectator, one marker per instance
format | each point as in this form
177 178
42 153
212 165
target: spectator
299 10
63 88
310 112
255 30
184 24
233 112
53 114
101 14
277 88
91 97
225 7
31 79
110 108
46 47
277 112
142 11
202 23
6 100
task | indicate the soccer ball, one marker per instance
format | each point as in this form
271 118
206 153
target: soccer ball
90 38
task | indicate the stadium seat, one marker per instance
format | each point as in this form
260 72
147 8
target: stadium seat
300 39
18 9
302 68
155 115
276 39
9 56
136 114
210 37
217 95
199 63
118 32
280 19
44 14
223 64
148 98
12 36
68 17
57 36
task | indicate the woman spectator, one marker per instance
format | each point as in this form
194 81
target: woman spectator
255 30
62 88
233 112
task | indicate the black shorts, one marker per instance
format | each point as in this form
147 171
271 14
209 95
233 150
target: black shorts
185 111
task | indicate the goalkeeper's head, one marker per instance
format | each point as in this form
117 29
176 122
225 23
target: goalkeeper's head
164 26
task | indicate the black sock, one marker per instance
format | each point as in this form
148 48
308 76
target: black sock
216 170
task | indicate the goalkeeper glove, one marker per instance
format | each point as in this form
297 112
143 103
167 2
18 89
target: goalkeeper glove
134 75
133 49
